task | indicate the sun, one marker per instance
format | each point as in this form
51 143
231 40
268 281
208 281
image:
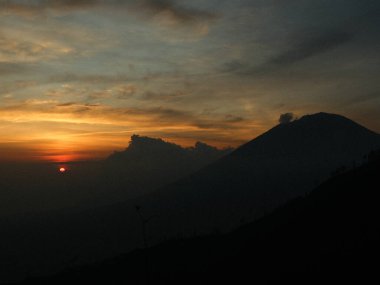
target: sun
62 170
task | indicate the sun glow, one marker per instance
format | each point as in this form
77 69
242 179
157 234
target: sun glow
62 170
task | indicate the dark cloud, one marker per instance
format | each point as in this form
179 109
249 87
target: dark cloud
80 105
314 46
286 118
33 8
233 119
7 68
361 99
149 7
302 30
179 13
234 66
162 96
66 104
89 78
13 85
307 46
23 6
69 4
228 122
168 114
73 3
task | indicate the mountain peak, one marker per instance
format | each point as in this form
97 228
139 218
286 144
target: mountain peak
321 117
287 161
324 116
328 124
313 132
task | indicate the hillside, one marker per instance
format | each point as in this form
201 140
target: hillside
150 163
144 166
234 190
331 233
287 161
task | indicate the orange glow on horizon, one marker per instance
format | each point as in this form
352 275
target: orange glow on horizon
70 146
60 158
84 150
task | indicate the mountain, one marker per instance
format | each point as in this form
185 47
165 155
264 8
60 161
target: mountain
332 235
150 163
144 166
287 161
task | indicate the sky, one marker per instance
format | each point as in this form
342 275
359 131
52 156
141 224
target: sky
78 78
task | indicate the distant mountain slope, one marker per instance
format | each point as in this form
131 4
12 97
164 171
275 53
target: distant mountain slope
234 190
149 163
331 235
287 161
331 136
144 166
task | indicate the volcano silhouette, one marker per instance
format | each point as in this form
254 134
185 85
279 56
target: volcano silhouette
287 161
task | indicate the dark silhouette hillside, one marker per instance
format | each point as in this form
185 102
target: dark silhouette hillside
330 235
159 161
144 166
285 162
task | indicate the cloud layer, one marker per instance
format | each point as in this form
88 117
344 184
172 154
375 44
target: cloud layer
217 71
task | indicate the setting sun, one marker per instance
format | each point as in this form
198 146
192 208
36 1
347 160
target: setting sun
62 170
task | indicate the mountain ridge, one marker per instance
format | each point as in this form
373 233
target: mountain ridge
143 145
218 198
331 234
314 120
287 161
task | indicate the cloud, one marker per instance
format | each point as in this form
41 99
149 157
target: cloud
72 4
169 21
125 91
73 126
234 66
186 24
152 118
66 104
18 50
15 85
78 112
89 78
286 118
151 8
233 119
28 7
7 68
173 13
306 45
313 46
162 96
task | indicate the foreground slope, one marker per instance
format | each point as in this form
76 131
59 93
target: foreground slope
333 234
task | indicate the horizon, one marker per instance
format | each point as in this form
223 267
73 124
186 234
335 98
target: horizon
79 78
141 139
67 159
